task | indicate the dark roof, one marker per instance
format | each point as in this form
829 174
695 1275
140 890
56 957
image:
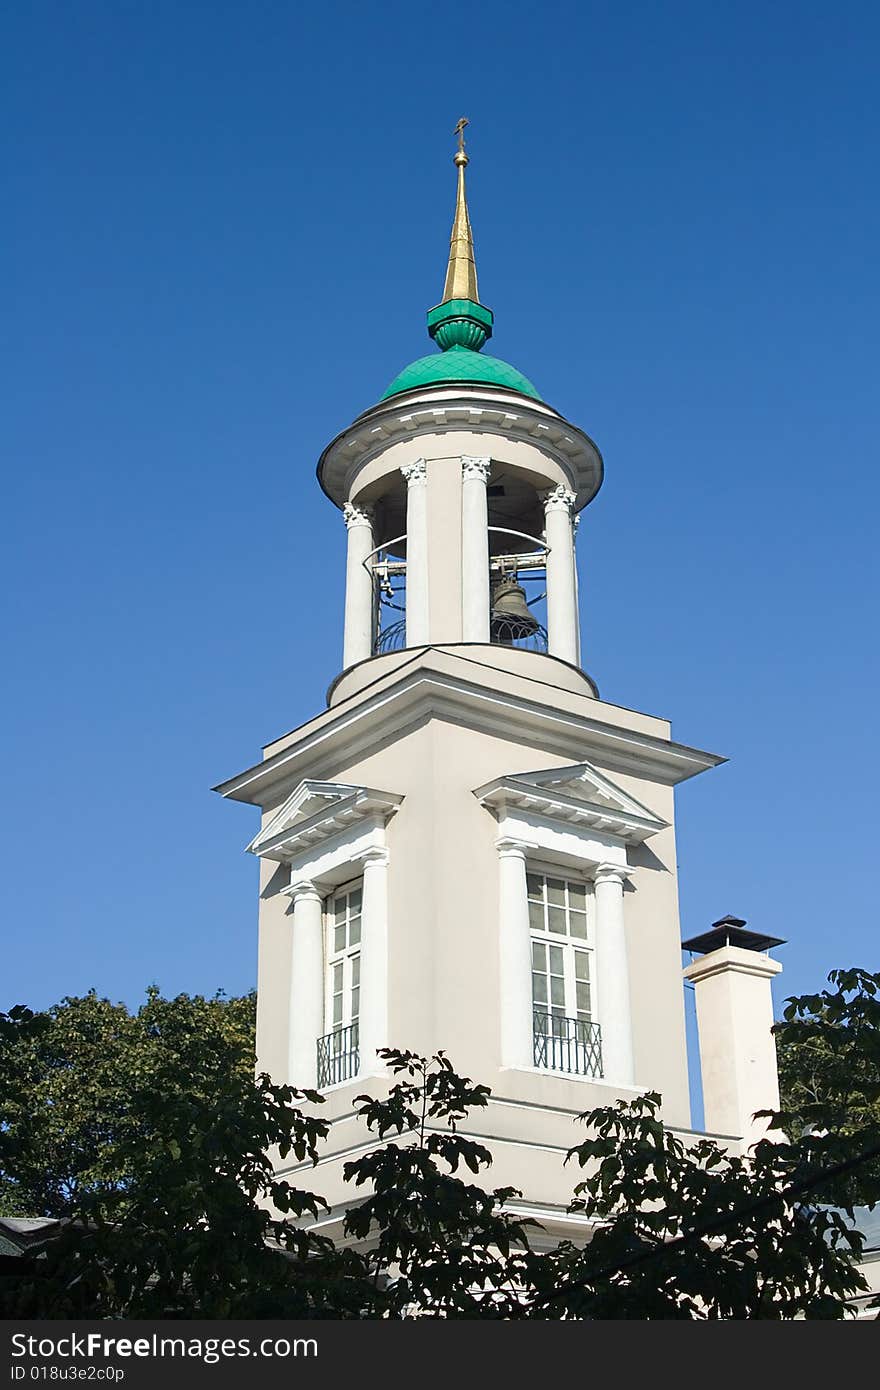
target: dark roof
730 931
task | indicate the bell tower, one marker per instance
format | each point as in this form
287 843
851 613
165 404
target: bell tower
469 849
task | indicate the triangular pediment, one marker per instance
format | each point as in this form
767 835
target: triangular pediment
316 810
578 793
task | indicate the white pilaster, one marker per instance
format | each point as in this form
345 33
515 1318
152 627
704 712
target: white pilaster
475 549
359 600
612 972
306 983
515 947
416 475
562 615
737 1047
373 1026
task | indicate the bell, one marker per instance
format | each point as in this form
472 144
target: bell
512 618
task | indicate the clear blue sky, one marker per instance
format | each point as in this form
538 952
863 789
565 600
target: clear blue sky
224 224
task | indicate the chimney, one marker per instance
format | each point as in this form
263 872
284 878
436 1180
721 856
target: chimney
731 983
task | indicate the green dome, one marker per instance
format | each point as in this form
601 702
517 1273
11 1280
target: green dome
460 364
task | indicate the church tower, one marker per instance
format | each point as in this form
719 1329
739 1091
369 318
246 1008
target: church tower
469 849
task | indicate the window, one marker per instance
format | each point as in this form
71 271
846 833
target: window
566 1037
338 1057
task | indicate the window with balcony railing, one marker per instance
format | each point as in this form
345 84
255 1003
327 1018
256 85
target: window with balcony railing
566 1036
338 1056
567 1044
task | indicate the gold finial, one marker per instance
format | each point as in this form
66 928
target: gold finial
461 274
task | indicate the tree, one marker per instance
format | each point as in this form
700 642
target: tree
157 1144
688 1230
76 1083
161 1145
828 1046
442 1246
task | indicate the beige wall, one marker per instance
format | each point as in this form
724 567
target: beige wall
443 984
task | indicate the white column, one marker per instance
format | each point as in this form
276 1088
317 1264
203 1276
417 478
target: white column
373 1025
416 475
613 975
562 616
515 946
475 549
359 601
737 1047
575 523
306 983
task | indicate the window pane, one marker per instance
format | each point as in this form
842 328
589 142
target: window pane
539 989
337 1010
354 931
539 955
535 885
337 977
339 937
577 897
556 891
555 960
577 925
557 990
355 1004
583 997
581 965
556 920
354 901
356 970
536 916
340 908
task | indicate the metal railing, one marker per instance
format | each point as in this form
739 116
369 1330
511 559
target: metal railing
507 631
391 639
338 1056
388 569
567 1044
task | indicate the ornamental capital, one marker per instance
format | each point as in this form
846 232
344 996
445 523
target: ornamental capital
559 499
509 848
375 854
475 468
356 514
302 889
612 873
415 473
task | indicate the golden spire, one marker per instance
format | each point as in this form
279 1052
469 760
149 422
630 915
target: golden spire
461 275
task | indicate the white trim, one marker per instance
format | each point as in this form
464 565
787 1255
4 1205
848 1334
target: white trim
488 409
288 833
606 1082
432 692
596 801
334 862
568 846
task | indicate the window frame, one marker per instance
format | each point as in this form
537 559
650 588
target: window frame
348 957
569 944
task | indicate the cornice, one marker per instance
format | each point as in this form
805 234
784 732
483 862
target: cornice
472 409
424 693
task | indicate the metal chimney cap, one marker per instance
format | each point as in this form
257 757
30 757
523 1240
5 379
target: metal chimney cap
730 931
